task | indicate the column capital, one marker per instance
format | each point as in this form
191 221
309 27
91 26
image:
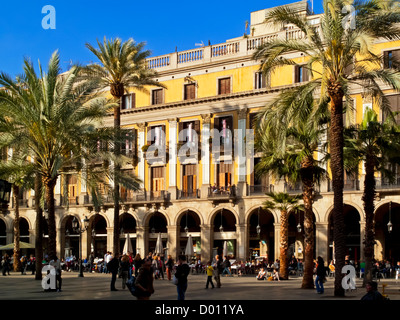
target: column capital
141 126
242 113
173 120
206 118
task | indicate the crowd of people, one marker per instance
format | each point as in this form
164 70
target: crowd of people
154 267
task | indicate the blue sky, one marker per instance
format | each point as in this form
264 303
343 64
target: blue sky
163 25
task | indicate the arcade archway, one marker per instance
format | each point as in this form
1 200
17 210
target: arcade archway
352 232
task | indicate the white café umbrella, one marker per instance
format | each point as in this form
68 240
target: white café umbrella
225 249
128 245
159 246
189 247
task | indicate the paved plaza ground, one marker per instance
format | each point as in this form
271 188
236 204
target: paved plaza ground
96 286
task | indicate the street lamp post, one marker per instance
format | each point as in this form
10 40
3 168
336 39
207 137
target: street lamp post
76 227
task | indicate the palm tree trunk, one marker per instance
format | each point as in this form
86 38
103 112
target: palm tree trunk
283 272
38 228
336 165
49 184
17 261
308 189
369 208
117 147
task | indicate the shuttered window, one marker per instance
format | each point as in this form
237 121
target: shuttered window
394 101
156 135
157 180
300 74
389 57
224 175
260 81
189 178
157 96
128 101
192 125
224 86
189 91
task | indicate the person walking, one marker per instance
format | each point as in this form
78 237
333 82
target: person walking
56 264
144 281
321 275
6 264
125 266
160 267
210 271
112 267
226 265
169 265
24 263
218 270
182 272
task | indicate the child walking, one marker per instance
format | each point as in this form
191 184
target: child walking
209 271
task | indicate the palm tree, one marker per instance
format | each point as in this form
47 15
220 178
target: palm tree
52 115
285 203
122 66
331 49
378 145
20 175
288 147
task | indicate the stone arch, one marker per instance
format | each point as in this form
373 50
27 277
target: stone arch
360 211
262 244
254 208
150 213
215 211
182 213
353 219
389 241
3 231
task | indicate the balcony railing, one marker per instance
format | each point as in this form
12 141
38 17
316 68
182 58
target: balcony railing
190 194
222 192
260 189
386 184
293 188
349 185
238 47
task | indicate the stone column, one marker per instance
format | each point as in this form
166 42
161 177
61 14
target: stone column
57 191
173 134
241 242
83 192
207 242
362 237
240 153
277 240
321 239
142 243
110 238
141 160
59 241
173 241
205 155
85 251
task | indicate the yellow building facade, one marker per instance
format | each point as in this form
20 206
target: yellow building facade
214 197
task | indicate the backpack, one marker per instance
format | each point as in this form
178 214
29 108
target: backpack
131 285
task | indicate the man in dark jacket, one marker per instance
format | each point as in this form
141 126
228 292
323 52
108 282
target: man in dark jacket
182 272
113 266
372 292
